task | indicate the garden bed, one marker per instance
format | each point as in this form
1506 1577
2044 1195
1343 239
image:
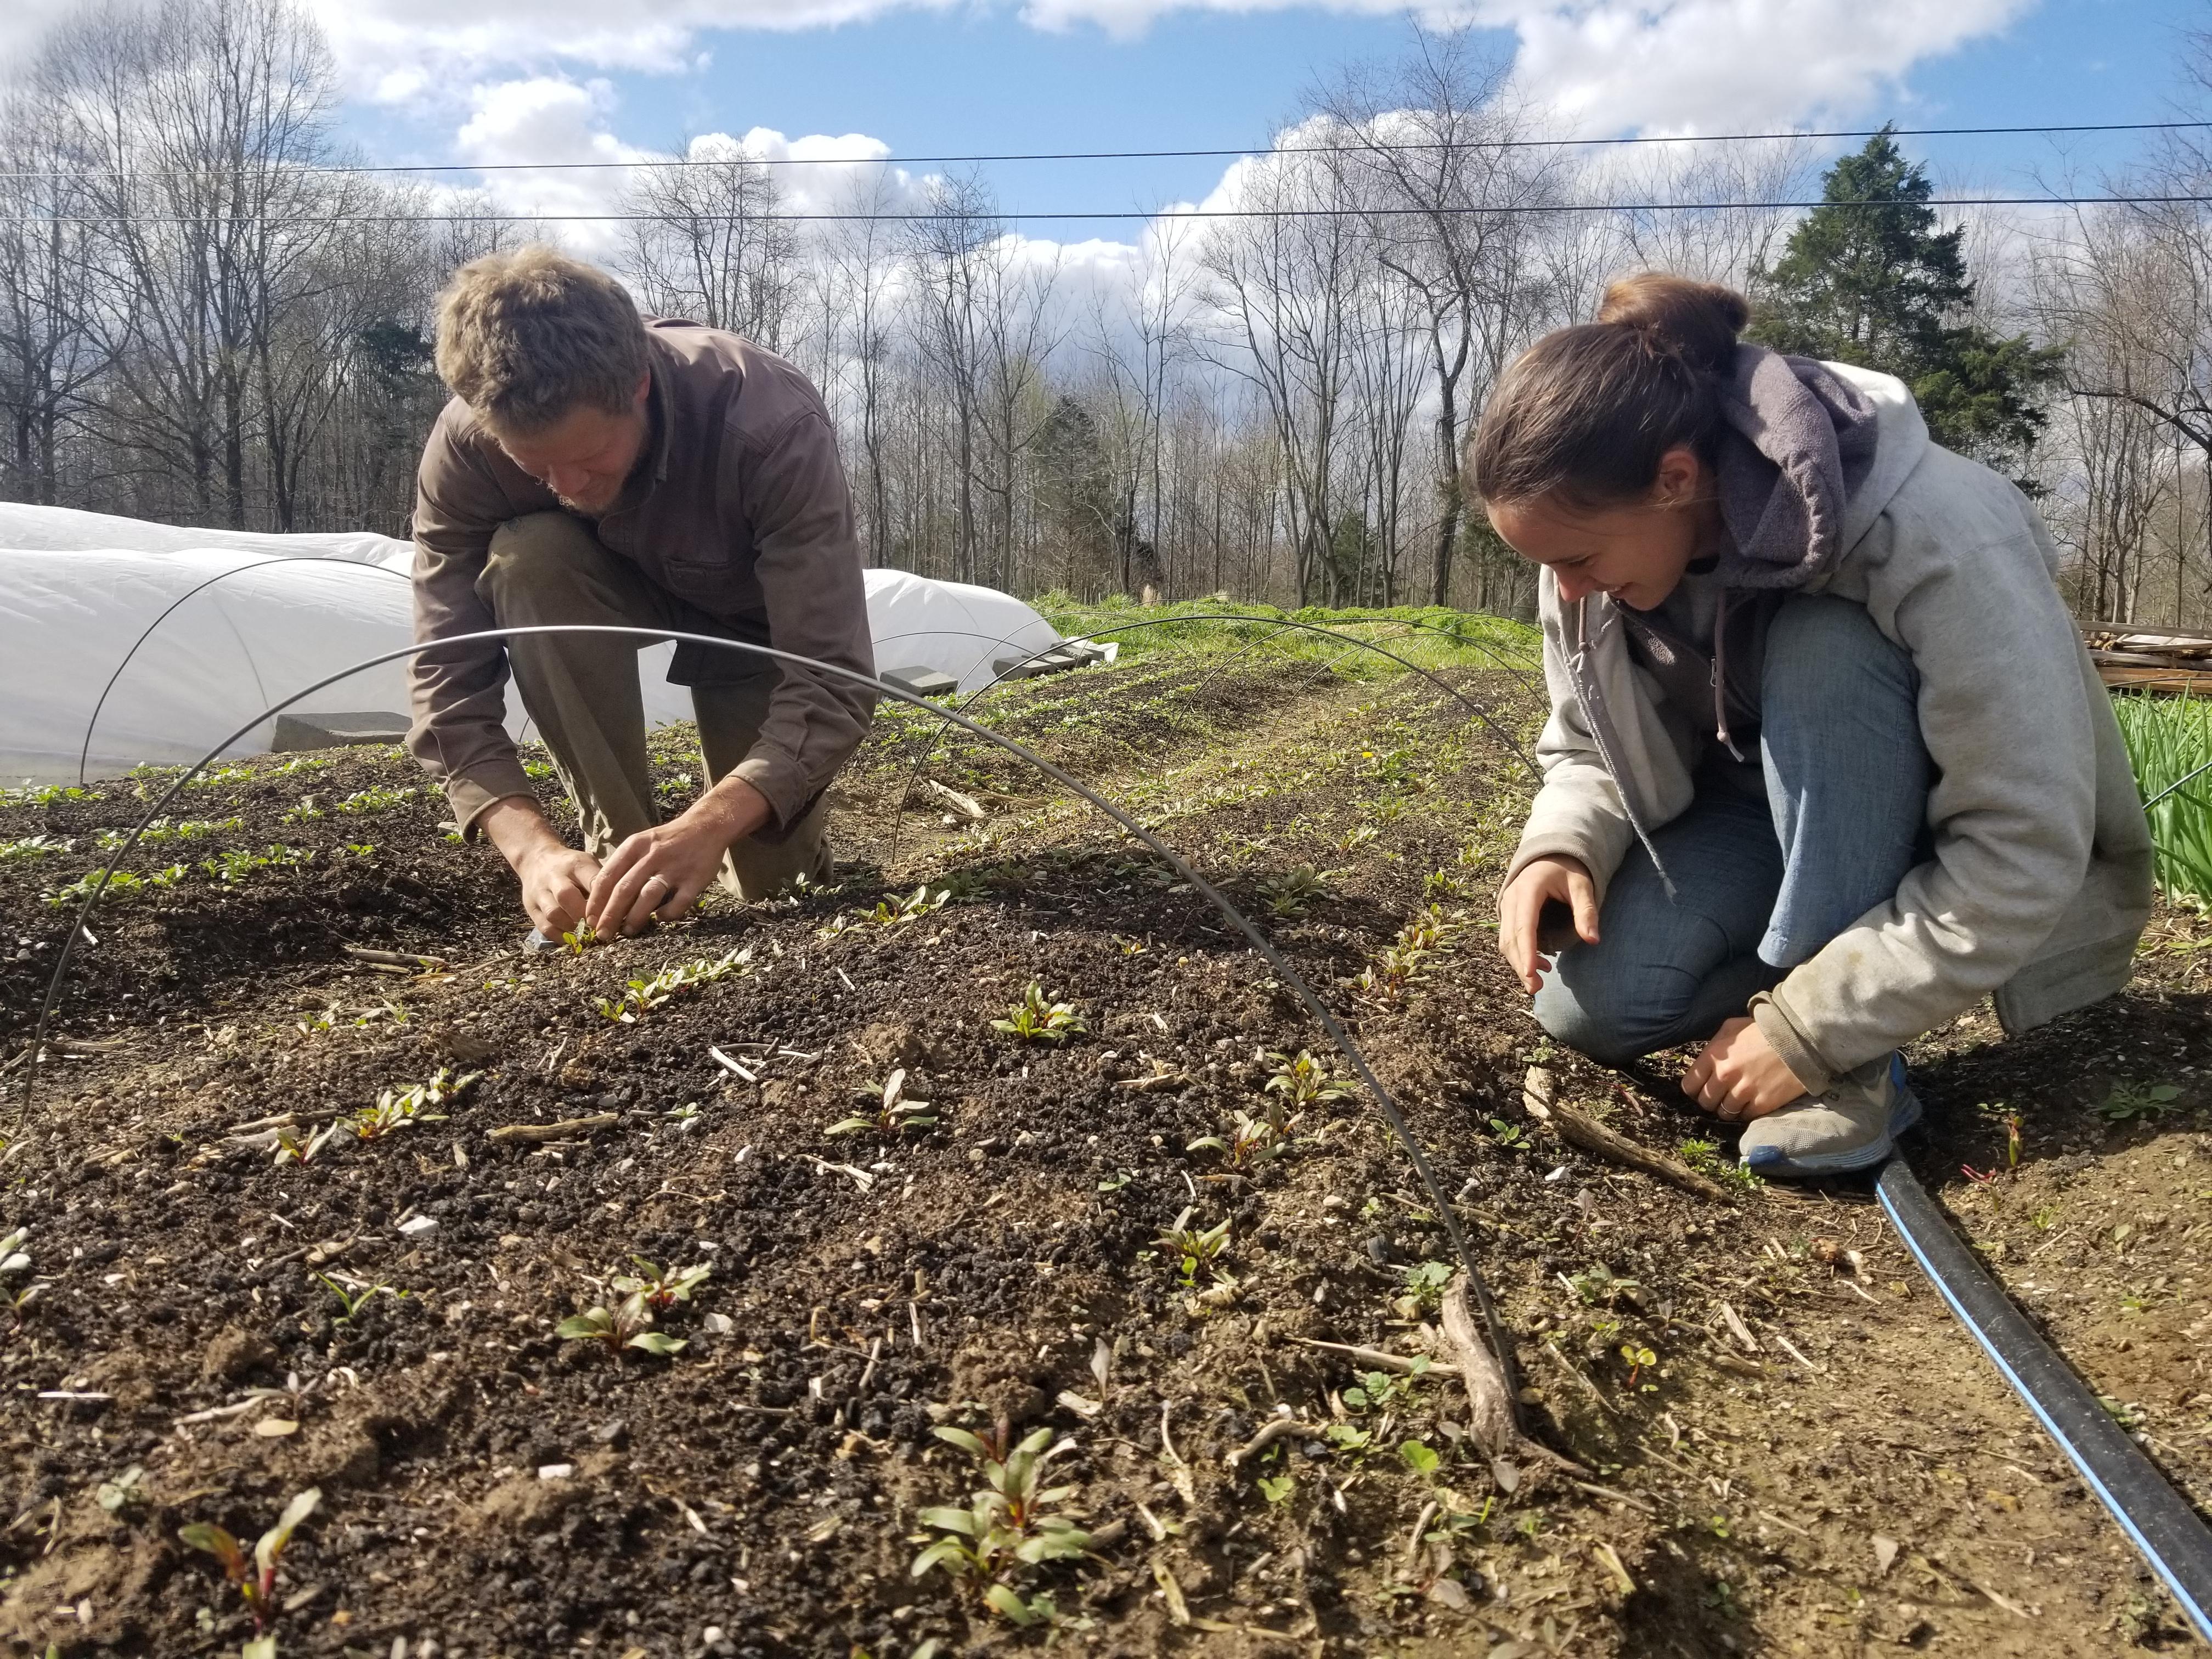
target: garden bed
1785 1446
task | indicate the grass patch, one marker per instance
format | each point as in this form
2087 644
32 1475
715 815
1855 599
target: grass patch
2168 738
1430 637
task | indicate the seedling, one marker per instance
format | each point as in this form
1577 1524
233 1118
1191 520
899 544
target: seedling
1602 1287
2130 1102
1421 1458
660 1287
1196 1248
235 867
1251 1142
893 1114
1512 1136
43 795
32 847
1706 1157
892 911
1377 1390
256 1578
361 1297
121 884
1302 1083
628 1324
1640 1359
643 996
396 1108
575 943
1005 1527
127 1492
1037 1019
684 1117
1278 1489
1357 838
1424 1288
1293 892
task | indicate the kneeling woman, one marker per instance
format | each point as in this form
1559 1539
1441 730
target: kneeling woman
1826 760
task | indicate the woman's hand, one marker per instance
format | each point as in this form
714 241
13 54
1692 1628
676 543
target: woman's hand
1521 912
1739 1076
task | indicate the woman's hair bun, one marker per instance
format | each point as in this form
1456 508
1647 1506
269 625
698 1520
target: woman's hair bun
1697 321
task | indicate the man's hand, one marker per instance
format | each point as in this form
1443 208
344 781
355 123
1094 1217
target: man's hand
662 870
556 879
1739 1076
1521 910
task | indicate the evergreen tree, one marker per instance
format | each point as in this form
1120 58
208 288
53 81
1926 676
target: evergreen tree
1868 279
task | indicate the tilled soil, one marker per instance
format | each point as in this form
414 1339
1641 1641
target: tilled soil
1784 1447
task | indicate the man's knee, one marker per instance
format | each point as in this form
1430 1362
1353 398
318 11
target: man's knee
535 560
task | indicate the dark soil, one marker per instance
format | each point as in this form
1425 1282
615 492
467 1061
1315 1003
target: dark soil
1855 1479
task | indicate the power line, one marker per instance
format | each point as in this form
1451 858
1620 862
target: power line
1516 208
654 163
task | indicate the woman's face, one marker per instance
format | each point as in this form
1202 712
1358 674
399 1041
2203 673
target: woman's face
1634 552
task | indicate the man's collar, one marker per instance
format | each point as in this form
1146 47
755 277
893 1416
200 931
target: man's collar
659 367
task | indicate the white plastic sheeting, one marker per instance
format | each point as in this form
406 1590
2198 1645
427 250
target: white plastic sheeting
77 589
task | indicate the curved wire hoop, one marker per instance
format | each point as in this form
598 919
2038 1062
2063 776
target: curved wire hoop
1445 1210
84 749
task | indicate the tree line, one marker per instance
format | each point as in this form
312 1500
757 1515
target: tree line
205 318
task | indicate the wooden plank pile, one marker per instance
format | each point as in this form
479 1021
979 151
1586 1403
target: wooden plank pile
2151 659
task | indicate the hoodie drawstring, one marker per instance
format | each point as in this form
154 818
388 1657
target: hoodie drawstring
1720 677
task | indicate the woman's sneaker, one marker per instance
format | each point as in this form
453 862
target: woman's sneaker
1853 1125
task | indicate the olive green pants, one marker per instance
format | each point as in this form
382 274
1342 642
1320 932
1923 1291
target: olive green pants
582 691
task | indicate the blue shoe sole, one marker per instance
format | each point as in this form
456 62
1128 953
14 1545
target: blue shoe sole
1903 1116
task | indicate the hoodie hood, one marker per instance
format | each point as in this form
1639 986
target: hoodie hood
1800 443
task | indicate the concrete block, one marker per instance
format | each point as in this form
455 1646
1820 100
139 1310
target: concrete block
922 682
337 731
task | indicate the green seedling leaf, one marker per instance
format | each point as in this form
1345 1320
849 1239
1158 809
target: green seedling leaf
1009 1606
1418 1458
654 1342
598 1322
962 1438
273 1542
216 1541
1278 1488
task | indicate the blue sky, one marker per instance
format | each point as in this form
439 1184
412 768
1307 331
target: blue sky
973 76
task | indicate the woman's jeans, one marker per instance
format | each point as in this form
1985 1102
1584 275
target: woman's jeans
1769 862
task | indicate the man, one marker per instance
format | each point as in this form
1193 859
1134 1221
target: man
594 466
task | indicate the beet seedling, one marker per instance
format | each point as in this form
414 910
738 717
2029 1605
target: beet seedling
893 1115
659 1287
1005 1527
628 1324
1193 1248
1292 893
256 1578
643 996
891 911
396 1108
1251 1142
1037 1019
1302 1082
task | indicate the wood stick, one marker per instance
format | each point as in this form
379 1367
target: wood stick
1270 1432
966 805
1490 1418
396 958
1379 1359
533 1133
1592 1136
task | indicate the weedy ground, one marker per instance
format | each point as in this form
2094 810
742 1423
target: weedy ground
1032 1338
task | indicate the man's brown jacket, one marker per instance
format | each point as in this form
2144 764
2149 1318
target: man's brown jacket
740 509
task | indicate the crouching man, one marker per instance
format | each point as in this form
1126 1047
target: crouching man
595 466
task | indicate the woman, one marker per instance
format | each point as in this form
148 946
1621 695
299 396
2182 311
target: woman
1826 760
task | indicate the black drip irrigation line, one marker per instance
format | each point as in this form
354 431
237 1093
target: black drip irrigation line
1446 1212
1280 624
2157 1519
84 749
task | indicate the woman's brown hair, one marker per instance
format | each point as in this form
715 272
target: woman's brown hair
1588 411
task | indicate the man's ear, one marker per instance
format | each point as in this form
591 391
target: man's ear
644 390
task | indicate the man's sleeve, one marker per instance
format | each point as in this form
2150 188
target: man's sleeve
807 561
458 733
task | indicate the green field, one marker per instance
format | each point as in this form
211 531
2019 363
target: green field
2169 738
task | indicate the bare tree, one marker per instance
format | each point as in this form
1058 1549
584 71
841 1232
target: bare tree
708 242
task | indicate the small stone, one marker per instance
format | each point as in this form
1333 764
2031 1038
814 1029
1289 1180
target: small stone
275 1428
556 1471
420 1223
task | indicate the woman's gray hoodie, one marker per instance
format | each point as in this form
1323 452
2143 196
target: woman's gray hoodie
2040 881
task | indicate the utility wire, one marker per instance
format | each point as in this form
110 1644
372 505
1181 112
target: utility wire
1181 155
924 216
